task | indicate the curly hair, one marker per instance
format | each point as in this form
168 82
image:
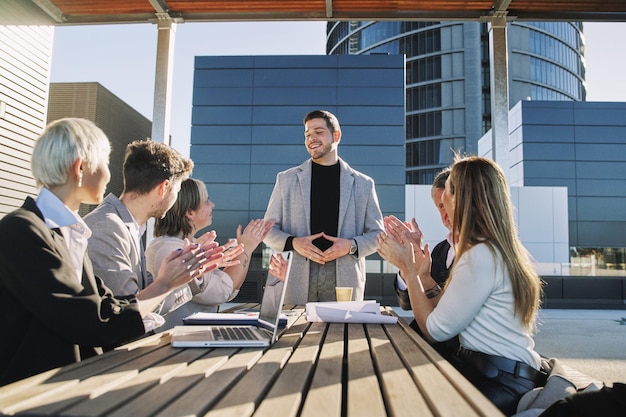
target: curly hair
148 163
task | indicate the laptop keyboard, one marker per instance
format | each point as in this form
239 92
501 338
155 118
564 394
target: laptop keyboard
233 333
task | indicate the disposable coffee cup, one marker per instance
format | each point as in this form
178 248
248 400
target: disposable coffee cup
343 293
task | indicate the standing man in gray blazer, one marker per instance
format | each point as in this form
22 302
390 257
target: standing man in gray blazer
327 213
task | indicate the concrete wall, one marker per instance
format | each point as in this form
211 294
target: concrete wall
540 214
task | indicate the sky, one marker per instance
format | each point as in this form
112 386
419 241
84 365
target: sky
122 58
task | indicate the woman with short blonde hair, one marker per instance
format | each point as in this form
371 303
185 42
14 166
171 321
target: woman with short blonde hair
53 310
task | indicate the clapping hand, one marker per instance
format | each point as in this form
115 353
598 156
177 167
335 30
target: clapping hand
394 243
401 231
231 250
189 262
278 266
254 233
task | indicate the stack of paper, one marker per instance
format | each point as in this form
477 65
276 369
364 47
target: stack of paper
347 312
231 319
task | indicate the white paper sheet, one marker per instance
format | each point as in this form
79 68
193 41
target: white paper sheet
347 312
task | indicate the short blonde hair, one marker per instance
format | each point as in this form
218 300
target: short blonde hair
61 144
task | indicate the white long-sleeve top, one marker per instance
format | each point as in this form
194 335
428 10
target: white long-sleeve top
212 289
478 306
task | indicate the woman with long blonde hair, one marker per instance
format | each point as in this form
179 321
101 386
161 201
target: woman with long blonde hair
493 294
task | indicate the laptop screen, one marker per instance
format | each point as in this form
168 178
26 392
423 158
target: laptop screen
274 294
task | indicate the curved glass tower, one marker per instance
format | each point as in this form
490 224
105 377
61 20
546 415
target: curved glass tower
448 104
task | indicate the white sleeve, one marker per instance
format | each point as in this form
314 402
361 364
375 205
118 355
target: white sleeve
470 285
216 288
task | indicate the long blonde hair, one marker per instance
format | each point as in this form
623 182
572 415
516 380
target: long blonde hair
483 214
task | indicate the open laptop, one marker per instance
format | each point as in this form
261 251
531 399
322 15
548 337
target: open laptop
264 333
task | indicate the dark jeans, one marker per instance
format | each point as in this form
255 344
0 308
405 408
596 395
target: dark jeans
504 389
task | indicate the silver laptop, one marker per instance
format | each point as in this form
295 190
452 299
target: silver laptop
264 333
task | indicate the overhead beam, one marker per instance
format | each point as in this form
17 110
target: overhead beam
468 16
501 5
160 6
51 10
329 9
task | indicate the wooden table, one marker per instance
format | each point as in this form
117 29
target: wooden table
315 369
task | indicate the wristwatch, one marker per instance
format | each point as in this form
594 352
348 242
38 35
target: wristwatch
353 247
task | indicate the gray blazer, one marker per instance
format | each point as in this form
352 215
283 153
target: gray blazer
359 218
118 257
114 250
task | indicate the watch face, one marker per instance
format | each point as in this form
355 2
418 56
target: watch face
353 248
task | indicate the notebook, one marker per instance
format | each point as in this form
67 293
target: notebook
240 318
264 333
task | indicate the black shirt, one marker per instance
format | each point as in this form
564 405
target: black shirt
324 202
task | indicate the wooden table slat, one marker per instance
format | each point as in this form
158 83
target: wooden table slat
94 377
401 395
132 388
325 393
196 399
472 395
364 395
56 380
285 397
219 367
242 399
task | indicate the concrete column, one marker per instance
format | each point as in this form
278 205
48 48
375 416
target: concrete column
162 110
161 113
498 57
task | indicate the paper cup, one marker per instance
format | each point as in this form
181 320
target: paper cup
343 293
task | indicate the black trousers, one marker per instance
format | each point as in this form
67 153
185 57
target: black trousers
504 389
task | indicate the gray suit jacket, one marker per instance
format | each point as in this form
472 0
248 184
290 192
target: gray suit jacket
359 218
117 255
115 252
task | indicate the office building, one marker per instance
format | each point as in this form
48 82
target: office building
447 77
579 146
120 122
247 125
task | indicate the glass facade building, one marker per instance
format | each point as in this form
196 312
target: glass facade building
448 106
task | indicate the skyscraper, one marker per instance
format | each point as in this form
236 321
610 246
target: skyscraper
447 77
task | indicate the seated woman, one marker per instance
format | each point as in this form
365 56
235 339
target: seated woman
191 212
53 310
492 296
